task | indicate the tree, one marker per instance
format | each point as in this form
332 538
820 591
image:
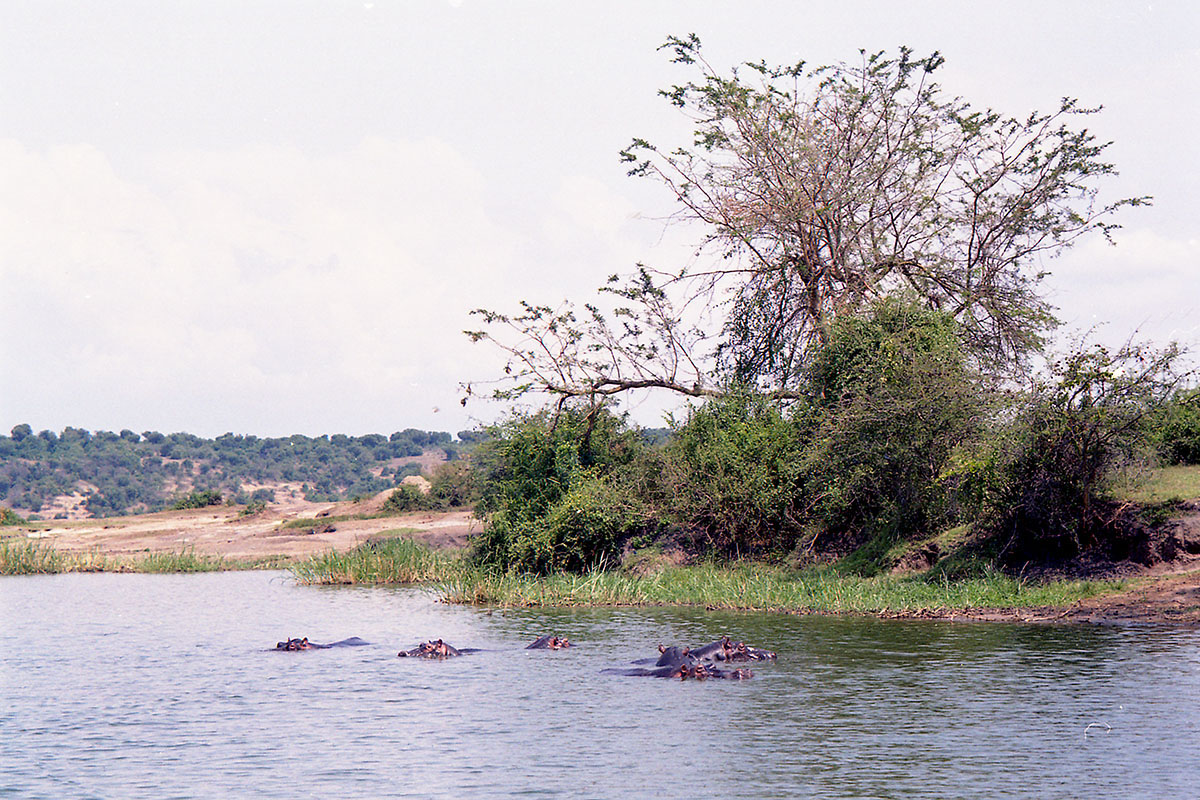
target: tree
822 191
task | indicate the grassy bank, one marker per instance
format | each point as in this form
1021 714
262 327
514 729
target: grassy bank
35 558
1166 484
749 586
746 585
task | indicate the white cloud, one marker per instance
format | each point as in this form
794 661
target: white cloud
245 279
1147 283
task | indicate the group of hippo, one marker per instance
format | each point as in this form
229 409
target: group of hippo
698 663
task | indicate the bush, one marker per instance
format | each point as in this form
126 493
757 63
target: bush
199 499
732 476
583 530
892 398
453 485
1046 475
525 469
406 498
1177 428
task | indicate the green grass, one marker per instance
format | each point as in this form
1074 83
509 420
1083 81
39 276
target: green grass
765 588
1167 484
392 560
28 558
745 585
741 585
36 558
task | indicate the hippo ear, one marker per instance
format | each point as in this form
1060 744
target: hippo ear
662 648
687 650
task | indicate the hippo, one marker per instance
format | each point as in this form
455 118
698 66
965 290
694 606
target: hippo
305 644
684 671
549 643
726 650
669 656
435 649
740 651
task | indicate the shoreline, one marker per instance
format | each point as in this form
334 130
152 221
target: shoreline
218 538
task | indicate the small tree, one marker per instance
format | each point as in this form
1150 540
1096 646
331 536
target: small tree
821 191
1072 435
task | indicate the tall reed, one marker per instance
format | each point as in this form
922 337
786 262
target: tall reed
28 558
394 560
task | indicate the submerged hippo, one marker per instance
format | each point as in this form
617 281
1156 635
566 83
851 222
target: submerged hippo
670 657
684 671
434 649
305 644
723 649
726 650
549 643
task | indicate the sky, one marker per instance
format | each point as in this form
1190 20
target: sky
275 217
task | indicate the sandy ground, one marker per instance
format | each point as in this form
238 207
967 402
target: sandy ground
221 531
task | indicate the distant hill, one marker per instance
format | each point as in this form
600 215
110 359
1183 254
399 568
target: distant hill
77 473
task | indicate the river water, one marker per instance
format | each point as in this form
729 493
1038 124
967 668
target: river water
160 686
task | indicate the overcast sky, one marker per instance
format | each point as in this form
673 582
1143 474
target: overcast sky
273 217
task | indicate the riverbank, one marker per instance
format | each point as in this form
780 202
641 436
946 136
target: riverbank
343 543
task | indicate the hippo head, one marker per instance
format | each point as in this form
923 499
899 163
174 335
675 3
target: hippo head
293 644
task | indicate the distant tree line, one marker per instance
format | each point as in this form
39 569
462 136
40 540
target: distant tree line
128 472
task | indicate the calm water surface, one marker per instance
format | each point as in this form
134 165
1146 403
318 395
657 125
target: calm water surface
132 686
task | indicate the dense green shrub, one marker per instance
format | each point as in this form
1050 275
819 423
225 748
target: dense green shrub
1176 428
527 468
452 485
732 476
10 517
1044 478
582 530
406 497
892 397
199 499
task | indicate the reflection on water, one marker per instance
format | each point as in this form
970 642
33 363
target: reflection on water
165 686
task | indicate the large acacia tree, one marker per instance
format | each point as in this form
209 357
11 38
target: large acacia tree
822 190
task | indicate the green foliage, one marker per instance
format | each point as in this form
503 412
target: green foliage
199 499
392 560
406 498
453 485
540 479
1047 474
892 399
10 517
127 472
1176 428
28 558
581 531
733 478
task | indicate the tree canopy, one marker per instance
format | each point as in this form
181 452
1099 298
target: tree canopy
821 191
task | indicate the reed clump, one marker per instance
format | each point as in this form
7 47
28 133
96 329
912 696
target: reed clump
392 560
38 558
28 558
